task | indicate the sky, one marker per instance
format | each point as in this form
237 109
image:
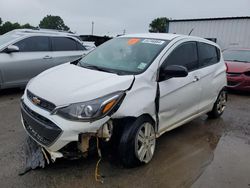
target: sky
112 17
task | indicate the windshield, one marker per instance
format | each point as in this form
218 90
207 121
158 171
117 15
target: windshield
124 55
237 55
7 37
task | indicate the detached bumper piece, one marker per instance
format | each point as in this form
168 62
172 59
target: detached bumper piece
40 128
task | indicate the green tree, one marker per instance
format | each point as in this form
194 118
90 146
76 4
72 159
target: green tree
1 21
8 26
159 25
27 26
53 22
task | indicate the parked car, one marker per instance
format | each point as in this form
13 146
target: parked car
128 91
89 45
24 53
238 68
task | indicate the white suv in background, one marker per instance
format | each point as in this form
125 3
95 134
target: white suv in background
24 53
130 90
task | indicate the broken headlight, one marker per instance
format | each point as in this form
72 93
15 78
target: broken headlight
91 110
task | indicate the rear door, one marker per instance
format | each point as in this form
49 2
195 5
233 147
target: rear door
209 57
180 97
66 49
34 56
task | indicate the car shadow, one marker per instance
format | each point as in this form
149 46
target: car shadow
236 92
11 92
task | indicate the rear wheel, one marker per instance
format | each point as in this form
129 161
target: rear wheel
219 105
138 142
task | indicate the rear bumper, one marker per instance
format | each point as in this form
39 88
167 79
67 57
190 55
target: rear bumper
238 82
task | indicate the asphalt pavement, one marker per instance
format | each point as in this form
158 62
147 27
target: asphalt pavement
203 153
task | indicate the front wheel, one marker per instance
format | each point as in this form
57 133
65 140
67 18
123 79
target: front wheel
219 105
138 141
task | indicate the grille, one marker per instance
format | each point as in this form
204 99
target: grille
232 83
247 73
43 103
233 74
40 128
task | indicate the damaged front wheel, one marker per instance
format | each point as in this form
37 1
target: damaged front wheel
138 142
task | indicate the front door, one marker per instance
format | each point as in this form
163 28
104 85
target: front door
180 97
34 56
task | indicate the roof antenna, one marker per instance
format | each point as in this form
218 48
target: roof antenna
190 32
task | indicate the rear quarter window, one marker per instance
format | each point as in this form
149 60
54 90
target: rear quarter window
208 54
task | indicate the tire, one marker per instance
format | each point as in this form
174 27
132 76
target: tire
219 105
138 141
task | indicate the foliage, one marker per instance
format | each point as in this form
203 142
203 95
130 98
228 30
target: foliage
159 25
53 22
48 22
8 26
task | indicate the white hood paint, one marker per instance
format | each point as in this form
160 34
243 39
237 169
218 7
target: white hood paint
67 84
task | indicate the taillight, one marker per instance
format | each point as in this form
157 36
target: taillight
247 73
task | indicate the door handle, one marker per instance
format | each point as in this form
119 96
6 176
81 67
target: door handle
47 57
196 78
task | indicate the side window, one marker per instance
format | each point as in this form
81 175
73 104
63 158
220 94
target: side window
184 55
63 44
34 44
208 54
80 46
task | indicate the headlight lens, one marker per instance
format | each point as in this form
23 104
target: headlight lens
91 110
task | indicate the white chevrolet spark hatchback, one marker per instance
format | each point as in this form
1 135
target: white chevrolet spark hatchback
128 91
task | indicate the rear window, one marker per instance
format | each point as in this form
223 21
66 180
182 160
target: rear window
64 44
208 54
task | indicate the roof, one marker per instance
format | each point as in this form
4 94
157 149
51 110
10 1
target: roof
163 36
168 36
44 31
209 19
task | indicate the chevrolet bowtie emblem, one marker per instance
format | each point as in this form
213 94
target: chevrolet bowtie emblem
35 100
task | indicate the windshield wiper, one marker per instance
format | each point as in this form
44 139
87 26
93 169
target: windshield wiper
94 67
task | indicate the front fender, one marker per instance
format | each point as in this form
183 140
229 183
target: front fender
139 100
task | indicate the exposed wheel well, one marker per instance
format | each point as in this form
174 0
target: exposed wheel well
119 123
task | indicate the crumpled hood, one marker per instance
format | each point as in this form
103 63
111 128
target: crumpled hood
67 83
237 67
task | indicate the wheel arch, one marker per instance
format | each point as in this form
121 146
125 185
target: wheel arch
131 119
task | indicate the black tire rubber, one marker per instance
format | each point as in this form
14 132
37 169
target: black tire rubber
213 114
127 142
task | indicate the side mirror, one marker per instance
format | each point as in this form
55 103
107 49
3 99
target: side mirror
11 49
172 71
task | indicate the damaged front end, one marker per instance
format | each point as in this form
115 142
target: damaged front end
85 145
37 156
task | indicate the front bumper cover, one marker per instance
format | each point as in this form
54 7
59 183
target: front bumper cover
238 82
52 131
39 128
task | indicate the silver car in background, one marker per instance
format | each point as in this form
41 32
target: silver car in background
24 53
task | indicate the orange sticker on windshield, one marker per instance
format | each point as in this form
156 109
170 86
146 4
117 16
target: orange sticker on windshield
133 41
